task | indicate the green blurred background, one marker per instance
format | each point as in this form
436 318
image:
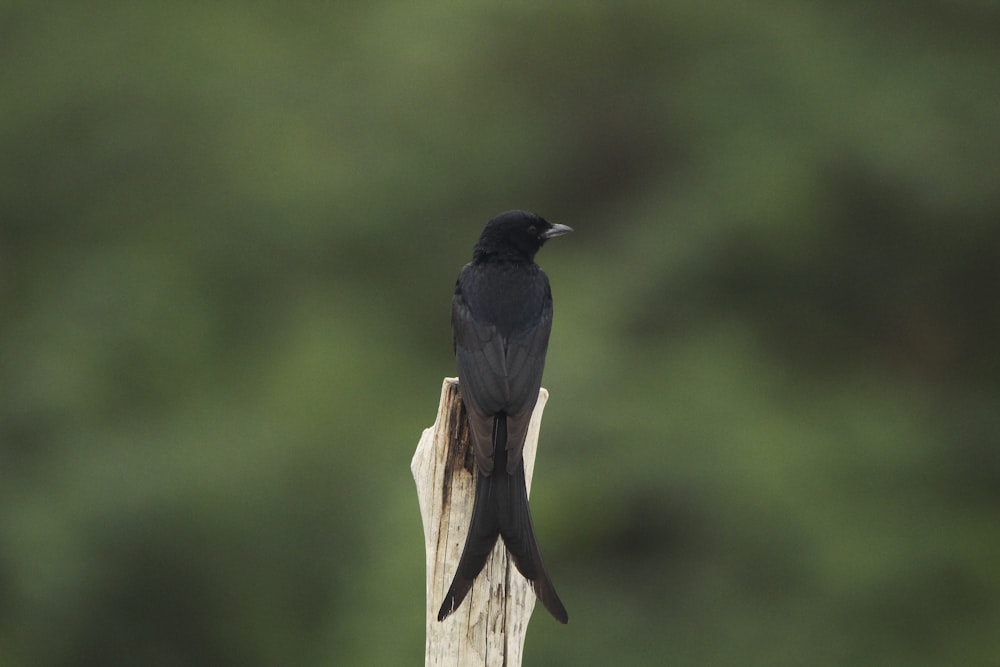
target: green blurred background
230 233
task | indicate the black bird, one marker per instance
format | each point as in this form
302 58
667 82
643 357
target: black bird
501 317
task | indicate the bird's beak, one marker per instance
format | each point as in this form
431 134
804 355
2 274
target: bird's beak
556 230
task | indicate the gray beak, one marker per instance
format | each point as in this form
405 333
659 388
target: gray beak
557 230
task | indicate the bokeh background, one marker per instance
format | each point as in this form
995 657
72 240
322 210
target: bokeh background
230 233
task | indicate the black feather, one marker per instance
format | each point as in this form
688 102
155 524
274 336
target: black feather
501 319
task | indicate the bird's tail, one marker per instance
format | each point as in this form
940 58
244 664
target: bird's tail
501 510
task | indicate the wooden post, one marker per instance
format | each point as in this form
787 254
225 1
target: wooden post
489 627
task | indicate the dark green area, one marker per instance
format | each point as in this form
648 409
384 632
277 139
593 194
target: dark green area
228 238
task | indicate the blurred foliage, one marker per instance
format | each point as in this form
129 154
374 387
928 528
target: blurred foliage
228 238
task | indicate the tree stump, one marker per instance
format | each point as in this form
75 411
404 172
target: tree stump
489 626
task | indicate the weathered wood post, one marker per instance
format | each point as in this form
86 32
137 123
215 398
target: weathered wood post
489 627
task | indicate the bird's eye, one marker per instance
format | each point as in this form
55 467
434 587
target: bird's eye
532 229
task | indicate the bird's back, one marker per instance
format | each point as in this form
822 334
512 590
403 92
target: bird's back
511 297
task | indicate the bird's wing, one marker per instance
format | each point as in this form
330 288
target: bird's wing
525 355
481 358
482 372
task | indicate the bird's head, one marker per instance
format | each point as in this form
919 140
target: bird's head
517 234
